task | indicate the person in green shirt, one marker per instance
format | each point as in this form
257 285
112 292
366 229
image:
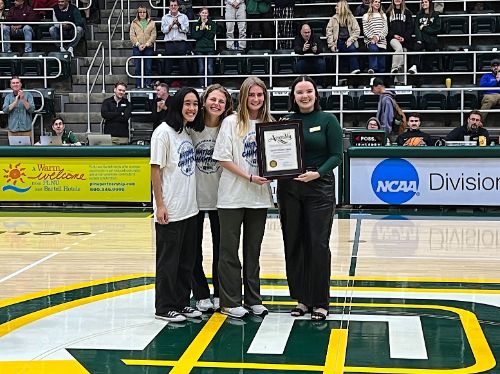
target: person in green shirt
307 203
67 137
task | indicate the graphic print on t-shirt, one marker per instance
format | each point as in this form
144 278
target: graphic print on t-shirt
186 158
250 149
203 156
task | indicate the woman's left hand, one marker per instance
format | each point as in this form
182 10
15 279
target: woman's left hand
307 176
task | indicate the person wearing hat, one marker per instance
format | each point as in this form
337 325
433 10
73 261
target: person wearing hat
385 109
491 97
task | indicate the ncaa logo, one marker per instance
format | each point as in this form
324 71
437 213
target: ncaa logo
395 181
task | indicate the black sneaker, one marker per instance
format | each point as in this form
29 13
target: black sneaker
171 316
190 312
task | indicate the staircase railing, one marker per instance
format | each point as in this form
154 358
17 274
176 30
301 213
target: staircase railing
90 87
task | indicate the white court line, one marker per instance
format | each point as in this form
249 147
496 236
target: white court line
28 267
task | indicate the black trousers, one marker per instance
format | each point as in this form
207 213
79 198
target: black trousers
175 256
306 214
176 48
199 282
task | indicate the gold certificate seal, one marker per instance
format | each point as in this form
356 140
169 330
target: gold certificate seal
273 163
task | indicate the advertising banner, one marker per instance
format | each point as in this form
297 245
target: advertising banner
118 179
425 181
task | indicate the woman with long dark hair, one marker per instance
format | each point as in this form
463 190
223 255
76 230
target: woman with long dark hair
307 203
175 207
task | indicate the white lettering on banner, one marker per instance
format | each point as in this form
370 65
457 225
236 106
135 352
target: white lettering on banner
275 329
397 186
442 181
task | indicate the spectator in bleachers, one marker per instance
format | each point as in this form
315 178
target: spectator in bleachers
375 31
203 32
413 136
306 43
385 108
284 9
400 33
3 12
342 33
43 4
491 97
19 106
473 129
236 10
479 7
373 123
162 102
143 37
260 9
20 12
67 137
186 7
175 26
116 111
360 11
427 28
64 11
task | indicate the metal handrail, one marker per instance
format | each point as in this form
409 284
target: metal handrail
36 23
44 76
112 32
90 87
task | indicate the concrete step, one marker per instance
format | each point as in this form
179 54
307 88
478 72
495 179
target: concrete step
75 98
78 107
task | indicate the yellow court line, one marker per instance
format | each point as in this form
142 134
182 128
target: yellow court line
152 215
335 354
193 353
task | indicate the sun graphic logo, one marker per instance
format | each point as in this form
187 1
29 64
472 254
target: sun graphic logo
13 175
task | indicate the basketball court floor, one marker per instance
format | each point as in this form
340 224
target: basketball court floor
413 294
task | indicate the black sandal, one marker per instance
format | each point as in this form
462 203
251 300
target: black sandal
298 311
316 315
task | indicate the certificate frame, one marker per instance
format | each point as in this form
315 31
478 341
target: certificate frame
280 149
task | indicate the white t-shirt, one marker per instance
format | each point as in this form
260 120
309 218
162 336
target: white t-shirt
208 170
235 191
174 153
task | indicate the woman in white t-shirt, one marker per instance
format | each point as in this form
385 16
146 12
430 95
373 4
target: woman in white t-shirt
175 208
243 199
216 106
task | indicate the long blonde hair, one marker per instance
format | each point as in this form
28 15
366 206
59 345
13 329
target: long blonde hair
393 6
370 10
344 13
242 114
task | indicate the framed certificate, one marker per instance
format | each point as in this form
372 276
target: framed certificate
280 149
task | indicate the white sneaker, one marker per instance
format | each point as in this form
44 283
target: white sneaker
371 71
205 305
413 69
171 316
236 312
190 312
70 50
216 303
62 49
356 71
395 70
259 310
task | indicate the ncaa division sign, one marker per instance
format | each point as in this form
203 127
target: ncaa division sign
391 181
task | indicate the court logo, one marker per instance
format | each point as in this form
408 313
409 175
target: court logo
13 175
395 181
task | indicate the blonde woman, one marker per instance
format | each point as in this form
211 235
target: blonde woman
375 29
243 199
143 36
216 105
400 23
342 33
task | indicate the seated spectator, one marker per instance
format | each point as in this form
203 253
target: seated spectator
19 106
3 12
116 111
479 7
204 33
186 7
236 10
413 136
143 37
308 44
67 137
284 10
472 130
20 12
427 28
375 31
175 26
400 33
491 97
36 4
64 11
162 102
373 124
342 33
360 11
